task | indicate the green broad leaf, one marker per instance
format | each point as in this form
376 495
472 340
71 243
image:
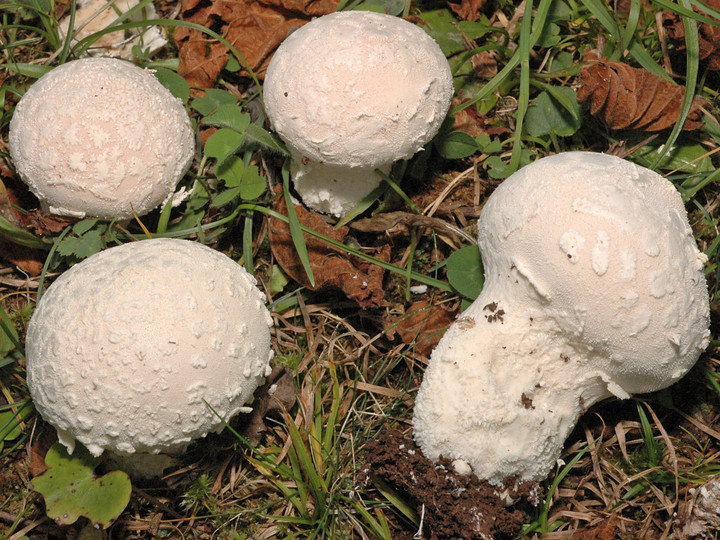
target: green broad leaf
230 171
71 489
82 246
83 226
252 185
453 35
278 279
225 197
550 36
265 139
8 335
391 7
223 143
499 169
686 158
455 145
232 65
212 100
488 145
177 85
548 116
228 116
563 60
465 271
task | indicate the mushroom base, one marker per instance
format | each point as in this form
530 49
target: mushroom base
332 189
501 394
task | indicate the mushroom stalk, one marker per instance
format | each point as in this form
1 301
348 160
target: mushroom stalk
520 385
594 288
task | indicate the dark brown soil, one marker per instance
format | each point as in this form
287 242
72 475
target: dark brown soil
455 506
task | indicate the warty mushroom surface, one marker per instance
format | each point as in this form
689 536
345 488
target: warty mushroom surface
352 92
128 350
100 137
594 288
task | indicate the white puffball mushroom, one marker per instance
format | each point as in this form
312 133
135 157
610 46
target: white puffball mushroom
93 16
100 137
594 288
352 92
130 349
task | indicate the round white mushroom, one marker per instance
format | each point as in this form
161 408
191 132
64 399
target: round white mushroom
594 288
100 137
352 92
144 347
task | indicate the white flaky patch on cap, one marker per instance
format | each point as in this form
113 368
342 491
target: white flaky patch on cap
356 90
100 137
130 349
594 288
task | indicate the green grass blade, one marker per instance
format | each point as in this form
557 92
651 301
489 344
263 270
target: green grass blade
19 236
628 33
543 520
296 231
692 45
524 97
164 218
316 482
607 21
648 437
390 182
247 242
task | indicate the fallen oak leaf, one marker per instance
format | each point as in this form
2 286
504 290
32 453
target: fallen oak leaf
625 97
332 267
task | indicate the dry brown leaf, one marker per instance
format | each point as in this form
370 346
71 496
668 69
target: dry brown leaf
39 450
468 10
253 27
333 268
468 119
633 98
28 260
422 325
709 35
399 224
484 64
277 394
607 529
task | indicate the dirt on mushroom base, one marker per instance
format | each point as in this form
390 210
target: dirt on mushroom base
455 506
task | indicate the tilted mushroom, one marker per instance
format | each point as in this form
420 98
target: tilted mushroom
144 347
100 137
594 288
352 92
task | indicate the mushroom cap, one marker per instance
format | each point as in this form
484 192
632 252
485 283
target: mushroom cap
100 137
605 247
357 89
129 349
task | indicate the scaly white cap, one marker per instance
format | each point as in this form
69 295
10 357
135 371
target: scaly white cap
355 91
100 137
128 350
594 288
